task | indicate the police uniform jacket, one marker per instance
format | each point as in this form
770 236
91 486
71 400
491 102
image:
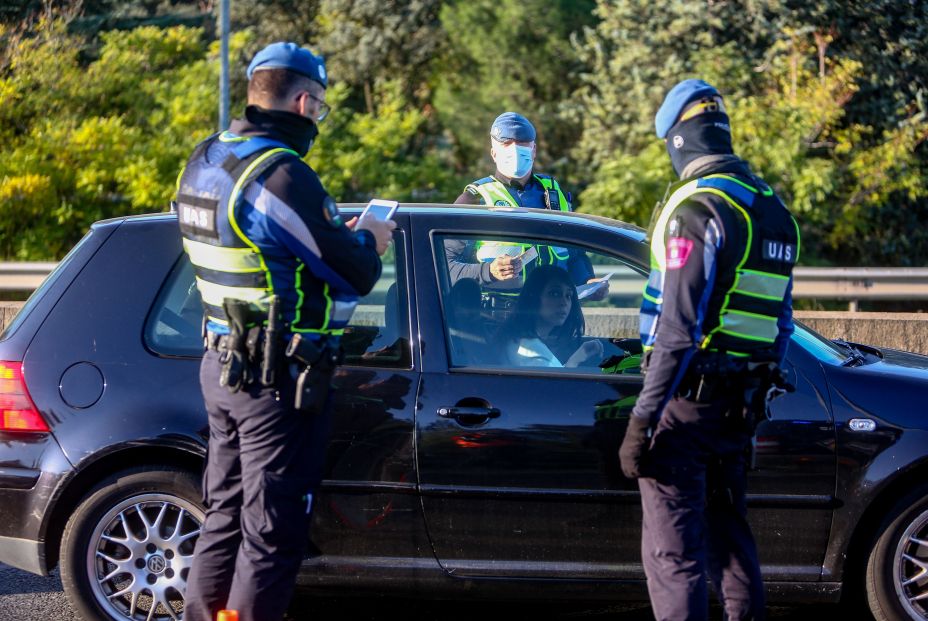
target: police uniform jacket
702 258
315 264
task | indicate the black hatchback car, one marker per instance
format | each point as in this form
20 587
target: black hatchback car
454 467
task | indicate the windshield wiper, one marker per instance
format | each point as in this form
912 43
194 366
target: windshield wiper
855 356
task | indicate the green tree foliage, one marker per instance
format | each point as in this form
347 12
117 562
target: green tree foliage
86 141
99 107
509 55
792 107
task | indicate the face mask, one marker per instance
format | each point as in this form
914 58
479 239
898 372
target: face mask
706 134
514 161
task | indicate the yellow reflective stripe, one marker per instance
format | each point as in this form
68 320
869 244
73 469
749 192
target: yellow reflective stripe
493 191
658 247
652 298
214 294
228 136
761 285
222 259
239 183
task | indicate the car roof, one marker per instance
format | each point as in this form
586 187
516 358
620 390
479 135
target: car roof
625 229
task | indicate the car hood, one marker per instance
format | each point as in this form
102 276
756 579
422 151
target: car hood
891 390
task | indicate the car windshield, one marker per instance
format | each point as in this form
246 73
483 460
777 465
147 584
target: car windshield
820 347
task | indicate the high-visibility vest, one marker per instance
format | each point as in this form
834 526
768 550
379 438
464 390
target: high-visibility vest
226 263
495 193
742 316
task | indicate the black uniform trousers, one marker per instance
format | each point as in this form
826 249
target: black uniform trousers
694 513
265 460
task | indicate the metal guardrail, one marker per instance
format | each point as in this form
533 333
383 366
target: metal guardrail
830 283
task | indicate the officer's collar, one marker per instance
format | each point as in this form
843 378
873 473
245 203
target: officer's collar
295 131
716 163
515 182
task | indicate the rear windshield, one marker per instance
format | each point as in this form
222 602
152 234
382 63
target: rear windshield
43 289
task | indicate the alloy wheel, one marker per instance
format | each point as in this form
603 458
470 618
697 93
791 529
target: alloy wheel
140 555
911 563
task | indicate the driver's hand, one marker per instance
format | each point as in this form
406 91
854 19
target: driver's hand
505 267
601 292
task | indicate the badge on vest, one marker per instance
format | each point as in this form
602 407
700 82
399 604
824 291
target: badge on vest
200 219
779 251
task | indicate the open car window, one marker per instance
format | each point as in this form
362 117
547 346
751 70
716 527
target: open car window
525 322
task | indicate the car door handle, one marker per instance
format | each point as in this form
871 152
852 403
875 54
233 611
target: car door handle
468 414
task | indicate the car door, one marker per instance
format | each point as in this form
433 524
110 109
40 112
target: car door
367 505
518 464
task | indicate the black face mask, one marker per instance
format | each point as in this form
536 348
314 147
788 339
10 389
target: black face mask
706 134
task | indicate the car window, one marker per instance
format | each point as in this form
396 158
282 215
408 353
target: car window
378 334
548 315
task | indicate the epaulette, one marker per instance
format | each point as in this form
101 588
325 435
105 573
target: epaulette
482 181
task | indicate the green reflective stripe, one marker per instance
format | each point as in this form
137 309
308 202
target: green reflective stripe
761 285
798 244
736 354
222 259
328 308
233 198
214 294
751 326
328 332
738 181
651 298
298 286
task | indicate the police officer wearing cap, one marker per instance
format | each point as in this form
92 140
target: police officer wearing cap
279 274
715 324
515 184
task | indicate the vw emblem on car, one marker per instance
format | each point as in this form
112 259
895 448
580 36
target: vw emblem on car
156 564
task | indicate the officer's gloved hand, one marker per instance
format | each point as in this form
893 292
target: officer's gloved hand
634 447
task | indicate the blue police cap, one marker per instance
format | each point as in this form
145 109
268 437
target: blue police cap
680 95
512 126
292 57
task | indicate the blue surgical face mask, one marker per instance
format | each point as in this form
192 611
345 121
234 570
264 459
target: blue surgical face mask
514 161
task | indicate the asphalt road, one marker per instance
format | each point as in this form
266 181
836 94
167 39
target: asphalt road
25 597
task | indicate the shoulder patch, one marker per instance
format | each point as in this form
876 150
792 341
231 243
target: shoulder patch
330 211
678 252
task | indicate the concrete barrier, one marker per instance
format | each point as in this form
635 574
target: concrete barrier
906 331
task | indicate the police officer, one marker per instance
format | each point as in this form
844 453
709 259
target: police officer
716 316
276 267
498 266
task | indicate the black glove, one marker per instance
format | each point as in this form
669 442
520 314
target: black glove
634 447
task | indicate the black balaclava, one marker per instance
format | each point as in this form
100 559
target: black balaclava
704 134
297 131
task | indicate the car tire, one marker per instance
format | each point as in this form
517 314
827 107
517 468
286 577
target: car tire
129 544
897 568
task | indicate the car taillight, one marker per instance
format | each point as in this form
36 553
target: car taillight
17 412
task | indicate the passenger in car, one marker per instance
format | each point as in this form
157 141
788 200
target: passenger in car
546 327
